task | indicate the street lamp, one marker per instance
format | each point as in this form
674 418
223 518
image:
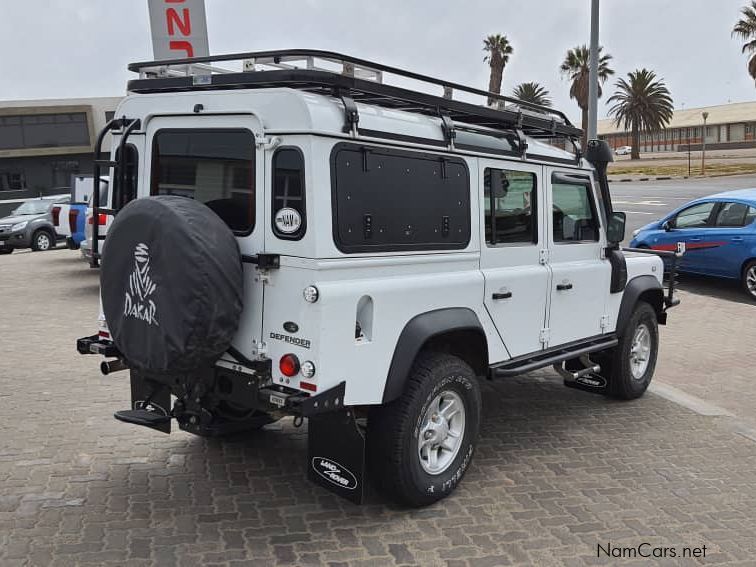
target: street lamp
703 153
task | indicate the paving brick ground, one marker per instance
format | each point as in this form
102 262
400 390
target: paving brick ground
557 472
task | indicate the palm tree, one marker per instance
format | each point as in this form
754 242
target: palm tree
532 92
576 67
642 102
498 49
745 30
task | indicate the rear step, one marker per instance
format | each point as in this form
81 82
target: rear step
142 417
555 355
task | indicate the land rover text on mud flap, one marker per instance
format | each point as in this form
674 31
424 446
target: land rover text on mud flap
294 235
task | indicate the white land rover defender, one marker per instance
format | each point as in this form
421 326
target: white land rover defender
297 235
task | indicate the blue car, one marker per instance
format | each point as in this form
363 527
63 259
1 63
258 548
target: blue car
719 234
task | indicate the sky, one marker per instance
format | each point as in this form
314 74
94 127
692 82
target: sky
80 48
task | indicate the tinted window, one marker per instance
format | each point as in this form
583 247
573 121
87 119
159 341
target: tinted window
695 216
44 131
12 180
131 167
288 194
574 214
391 200
510 206
215 167
732 215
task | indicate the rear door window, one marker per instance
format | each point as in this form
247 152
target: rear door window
215 167
733 215
289 220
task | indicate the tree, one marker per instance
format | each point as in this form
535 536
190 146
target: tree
745 30
498 49
576 67
642 102
532 92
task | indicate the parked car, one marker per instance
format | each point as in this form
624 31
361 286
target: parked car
363 260
104 220
30 226
719 233
70 219
623 151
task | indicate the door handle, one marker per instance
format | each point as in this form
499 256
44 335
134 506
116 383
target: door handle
696 239
564 287
504 295
737 239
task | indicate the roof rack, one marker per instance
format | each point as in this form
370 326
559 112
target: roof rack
355 80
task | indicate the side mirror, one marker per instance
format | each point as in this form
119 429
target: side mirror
615 232
667 225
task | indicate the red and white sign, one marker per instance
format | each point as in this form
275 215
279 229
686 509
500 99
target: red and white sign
179 29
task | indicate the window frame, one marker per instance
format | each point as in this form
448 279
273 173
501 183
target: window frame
536 202
585 180
300 234
155 159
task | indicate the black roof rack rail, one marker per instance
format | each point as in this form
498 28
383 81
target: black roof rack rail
351 79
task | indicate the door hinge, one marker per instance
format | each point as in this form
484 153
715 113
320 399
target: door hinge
544 336
543 256
604 323
259 349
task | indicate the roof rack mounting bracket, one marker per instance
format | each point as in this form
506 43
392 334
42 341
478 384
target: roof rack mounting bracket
448 127
522 142
351 114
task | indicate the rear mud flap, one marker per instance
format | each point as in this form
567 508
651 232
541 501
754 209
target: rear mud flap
154 397
336 454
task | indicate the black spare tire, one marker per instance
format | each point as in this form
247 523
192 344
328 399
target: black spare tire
171 284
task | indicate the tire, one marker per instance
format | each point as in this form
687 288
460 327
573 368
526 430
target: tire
5 250
42 241
749 279
401 470
629 376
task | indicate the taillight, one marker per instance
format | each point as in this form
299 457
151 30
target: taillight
102 219
56 215
289 365
73 216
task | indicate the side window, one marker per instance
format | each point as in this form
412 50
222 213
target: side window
696 216
388 200
128 192
733 215
289 220
574 214
215 167
751 216
510 207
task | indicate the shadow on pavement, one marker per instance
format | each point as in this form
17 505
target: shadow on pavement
720 288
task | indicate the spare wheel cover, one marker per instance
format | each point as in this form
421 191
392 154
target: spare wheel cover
171 284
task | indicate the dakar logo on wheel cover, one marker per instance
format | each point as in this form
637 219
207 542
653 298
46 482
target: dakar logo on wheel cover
141 287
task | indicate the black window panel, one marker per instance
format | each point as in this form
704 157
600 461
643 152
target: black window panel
393 200
510 210
216 167
127 193
574 214
289 188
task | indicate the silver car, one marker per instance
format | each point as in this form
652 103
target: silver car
30 226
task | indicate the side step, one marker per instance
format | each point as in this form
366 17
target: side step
142 417
551 356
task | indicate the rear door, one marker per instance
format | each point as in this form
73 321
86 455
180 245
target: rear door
580 273
512 237
724 246
215 160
